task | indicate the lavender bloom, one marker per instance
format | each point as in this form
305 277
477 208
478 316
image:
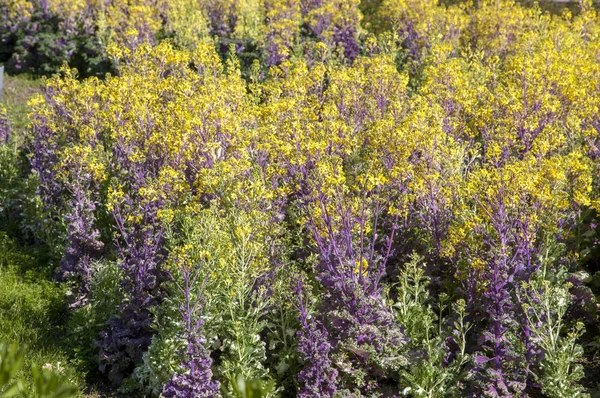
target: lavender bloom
503 372
334 31
274 56
283 26
73 198
129 335
196 384
84 242
354 244
222 18
5 127
125 340
346 36
358 322
319 25
197 381
141 251
412 41
317 377
43 160
41 42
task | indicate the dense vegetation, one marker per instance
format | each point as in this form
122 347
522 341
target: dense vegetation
309 198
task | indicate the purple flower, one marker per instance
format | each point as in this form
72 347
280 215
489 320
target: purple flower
43 162
346 37
5 127
140 249
318 377
84 242
197 379
501 368
197 383
335 31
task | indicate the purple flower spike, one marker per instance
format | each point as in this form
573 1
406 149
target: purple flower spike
317 377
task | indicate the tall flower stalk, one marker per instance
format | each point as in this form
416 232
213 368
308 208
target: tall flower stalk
196 378
318 376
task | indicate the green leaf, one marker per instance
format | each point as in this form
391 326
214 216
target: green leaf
12 390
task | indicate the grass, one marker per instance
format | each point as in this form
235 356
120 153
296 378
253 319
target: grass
16 91
33 312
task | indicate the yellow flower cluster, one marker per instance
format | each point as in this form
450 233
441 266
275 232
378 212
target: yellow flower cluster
501 111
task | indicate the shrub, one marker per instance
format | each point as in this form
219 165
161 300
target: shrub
371 224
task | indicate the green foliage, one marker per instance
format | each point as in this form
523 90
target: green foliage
45 382
11 360
255 388
412 307
19 205
45 54
231 257
559 372
17 194
232 260
11 184
86 322
428 374
89 57
282 347
33 313
161 361
163 358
